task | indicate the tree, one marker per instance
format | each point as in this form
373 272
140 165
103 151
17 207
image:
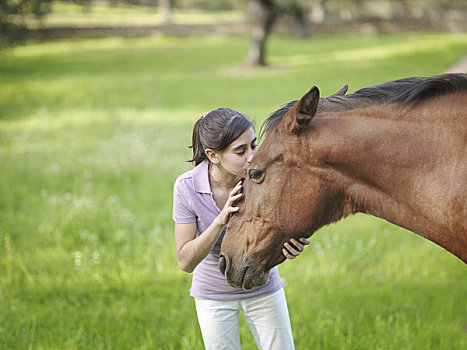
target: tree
11 30
166 10
264 14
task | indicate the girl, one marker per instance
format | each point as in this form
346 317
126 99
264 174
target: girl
223 144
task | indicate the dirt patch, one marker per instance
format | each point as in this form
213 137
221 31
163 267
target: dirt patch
459 67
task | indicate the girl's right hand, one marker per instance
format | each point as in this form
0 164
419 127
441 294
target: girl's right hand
235 194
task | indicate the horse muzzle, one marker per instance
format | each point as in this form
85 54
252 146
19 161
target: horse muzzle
243 275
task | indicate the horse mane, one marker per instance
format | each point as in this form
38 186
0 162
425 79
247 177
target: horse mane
401 93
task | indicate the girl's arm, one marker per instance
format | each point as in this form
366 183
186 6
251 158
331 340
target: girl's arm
190 249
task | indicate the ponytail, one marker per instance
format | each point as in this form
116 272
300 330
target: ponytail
196 145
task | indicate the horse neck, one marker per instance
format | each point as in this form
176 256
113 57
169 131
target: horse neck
387 167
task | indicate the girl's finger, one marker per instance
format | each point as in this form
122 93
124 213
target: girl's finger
237 186
287 254
234 198
234 192
236 195
290 249
304 240
297 244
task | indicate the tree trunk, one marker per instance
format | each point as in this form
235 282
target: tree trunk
300 22
166 10
264 15
317 12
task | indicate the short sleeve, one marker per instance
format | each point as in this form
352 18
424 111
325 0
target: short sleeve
182 212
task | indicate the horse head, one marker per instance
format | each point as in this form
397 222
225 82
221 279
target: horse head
283 172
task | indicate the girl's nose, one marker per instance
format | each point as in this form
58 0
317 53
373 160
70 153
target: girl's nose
250 155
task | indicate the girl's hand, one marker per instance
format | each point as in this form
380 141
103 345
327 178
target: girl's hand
294 248
235 194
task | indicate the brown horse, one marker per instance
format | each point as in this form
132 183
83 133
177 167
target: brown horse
397 151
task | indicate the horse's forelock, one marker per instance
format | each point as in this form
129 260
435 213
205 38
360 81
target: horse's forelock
275 118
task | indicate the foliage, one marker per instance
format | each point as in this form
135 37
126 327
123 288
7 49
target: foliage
93 133
11 30
36 7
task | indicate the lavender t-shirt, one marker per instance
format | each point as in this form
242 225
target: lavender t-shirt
193 202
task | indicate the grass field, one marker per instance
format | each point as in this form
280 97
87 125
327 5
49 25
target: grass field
93 133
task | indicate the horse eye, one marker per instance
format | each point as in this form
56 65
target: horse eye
254 174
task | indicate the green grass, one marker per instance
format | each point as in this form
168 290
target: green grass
93 133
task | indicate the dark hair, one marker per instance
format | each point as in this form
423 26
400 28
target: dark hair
217 130
275 118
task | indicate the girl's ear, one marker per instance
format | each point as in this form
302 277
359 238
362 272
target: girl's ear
212 156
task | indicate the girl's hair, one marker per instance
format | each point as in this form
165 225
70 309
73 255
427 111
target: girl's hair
217 130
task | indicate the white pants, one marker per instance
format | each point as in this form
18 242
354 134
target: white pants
267 316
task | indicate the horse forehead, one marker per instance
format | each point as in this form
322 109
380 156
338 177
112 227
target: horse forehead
281 143
265 153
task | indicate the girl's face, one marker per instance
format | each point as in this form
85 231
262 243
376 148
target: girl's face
237 157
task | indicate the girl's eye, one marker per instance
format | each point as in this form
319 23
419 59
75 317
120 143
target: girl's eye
241 152
253 147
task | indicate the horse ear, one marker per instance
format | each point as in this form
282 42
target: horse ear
307 107
309 103
341 92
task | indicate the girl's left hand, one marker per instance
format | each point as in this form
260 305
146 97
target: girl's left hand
293 248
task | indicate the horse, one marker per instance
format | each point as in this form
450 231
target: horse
397 151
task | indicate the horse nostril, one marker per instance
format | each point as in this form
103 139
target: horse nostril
223 263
